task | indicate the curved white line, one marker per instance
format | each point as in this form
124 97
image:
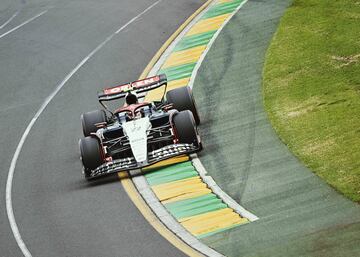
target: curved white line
11 18
22 24
9 207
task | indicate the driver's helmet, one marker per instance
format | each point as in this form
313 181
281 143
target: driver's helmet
131 98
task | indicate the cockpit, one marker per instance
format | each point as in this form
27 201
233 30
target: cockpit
133 111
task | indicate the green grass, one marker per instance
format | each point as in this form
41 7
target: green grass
312 88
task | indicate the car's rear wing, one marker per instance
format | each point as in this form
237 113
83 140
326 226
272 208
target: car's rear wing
139 86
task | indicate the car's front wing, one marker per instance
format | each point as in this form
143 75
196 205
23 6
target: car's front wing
155 156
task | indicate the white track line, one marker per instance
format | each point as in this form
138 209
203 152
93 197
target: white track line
9 208
11 18
22 24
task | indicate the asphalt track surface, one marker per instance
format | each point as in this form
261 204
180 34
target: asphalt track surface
57 212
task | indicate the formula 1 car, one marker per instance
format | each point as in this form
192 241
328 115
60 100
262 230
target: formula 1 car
138 134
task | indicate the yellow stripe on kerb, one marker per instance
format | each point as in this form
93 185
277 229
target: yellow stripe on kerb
178 83
207 215
224 1
158 93
208 25
167 162
174 189
197 193
154 95
183 57
212 221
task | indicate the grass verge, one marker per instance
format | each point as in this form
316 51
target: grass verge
312 88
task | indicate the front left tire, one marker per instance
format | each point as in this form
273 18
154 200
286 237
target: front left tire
91 154
90 119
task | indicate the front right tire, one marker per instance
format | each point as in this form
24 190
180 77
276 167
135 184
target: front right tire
185 126
182 99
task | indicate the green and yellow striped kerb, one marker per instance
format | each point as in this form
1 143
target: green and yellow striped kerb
176 182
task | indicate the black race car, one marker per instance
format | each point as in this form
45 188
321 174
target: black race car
138 134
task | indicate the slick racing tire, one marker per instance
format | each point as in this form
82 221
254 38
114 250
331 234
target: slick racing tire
89 119
185 127
182 99
90 151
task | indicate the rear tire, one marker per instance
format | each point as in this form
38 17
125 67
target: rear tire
89 119
182 99
90 151
185 126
